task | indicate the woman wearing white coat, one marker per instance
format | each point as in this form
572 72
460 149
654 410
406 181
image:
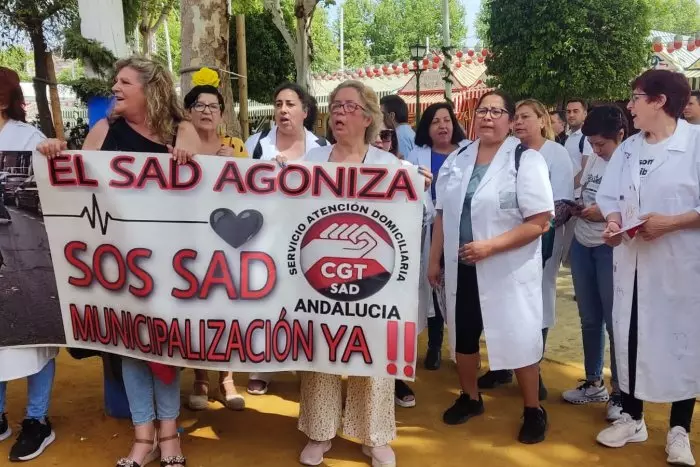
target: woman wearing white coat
438 135
489 223
290 139
655 176
368 413
37 364
533 126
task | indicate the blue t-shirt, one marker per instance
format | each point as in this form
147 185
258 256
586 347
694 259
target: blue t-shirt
465 224
436 161
406 137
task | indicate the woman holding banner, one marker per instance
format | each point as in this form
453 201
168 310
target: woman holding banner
35 364
206 107
146 117
369 406
289 137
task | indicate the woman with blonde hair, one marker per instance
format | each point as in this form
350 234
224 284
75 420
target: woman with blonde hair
369 413
146 117
533 126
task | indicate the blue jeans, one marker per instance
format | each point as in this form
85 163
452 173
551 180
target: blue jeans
39 387
592 272
149 398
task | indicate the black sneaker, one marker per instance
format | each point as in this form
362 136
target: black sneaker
463 409
5 430
493 379
534 426
433 358
32 440
543 390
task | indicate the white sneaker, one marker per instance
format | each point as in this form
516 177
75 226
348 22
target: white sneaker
622 431
586 393
614 408
678 447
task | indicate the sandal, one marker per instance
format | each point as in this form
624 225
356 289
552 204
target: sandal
231 399
199 401
150 457
403 395
257 387
177 460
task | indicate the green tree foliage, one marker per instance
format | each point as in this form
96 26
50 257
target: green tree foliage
378 31
677 16
554 50
68 75
357 23
43 22
16 58
174 29
326 56
270 62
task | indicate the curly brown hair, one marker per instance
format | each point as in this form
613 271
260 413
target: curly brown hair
163 109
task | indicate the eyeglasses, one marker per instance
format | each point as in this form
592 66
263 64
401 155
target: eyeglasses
635 96
495 112
348 107
200 107
386 135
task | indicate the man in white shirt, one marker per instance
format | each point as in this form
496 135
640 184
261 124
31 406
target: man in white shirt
692 110
578 146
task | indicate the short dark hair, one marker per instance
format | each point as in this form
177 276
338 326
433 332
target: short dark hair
304 96
193 95
606 121
583 103
423 130
655 83
311 113
11 95
396 105
394 137
695 94
559 113
508 101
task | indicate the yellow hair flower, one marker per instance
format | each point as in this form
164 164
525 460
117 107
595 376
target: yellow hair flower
206 77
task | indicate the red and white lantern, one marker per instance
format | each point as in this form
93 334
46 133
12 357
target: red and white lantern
677 42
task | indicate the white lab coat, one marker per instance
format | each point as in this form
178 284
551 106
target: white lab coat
17 363
668 268
510 283
269 143
421 156
561 176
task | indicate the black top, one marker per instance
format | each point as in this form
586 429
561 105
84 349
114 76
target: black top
121 137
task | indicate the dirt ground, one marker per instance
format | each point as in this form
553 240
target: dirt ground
265 433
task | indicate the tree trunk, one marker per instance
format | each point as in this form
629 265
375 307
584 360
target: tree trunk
41 78
205 40
302 58
55 99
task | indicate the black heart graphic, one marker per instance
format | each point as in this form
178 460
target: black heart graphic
236 229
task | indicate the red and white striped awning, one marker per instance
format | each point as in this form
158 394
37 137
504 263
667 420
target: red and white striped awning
460 99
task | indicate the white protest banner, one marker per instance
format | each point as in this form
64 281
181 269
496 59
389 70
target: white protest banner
235 264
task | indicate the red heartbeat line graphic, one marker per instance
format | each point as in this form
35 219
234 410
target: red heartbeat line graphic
94 216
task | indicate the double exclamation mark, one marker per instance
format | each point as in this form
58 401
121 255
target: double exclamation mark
392 347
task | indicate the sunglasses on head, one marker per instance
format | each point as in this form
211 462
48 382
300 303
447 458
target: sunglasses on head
385 135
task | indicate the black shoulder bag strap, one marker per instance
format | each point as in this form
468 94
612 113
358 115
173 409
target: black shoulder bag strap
257 152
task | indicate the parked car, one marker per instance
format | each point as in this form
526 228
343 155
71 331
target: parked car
27 195
12 181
